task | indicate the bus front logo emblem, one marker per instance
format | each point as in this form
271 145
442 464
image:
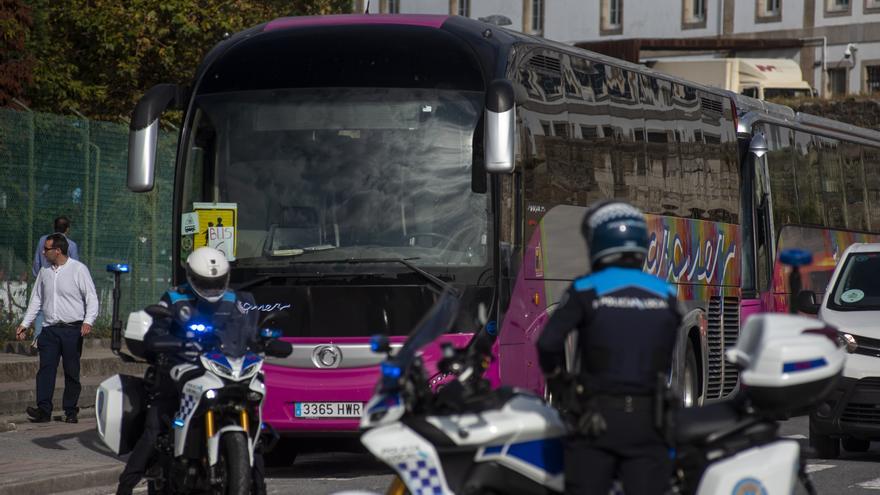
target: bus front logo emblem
327 356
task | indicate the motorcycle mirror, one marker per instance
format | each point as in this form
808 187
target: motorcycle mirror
806 302
272 320
278 348
379 343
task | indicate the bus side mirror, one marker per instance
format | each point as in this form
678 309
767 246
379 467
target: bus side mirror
500 127
143 134
806 302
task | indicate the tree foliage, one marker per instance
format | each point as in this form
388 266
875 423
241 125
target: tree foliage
99 56
15 62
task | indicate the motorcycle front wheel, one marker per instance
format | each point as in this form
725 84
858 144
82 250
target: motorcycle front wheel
235 462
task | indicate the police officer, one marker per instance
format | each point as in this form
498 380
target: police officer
626 322
206 295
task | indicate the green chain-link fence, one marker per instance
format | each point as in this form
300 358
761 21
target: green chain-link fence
53 165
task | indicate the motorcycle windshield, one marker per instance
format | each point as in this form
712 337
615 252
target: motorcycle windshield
235 337
434 324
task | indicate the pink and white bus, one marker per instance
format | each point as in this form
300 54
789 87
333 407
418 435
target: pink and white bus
354 167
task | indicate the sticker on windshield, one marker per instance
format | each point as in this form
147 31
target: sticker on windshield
217 227
852 296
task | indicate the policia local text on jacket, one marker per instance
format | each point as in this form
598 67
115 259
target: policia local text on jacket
626 323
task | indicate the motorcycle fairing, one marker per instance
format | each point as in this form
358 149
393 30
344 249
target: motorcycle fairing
773 467
189 403
413 458
541 459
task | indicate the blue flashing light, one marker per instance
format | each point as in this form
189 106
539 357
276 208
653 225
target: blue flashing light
118 268
492 328
796 257
376 342
391 370
178 423
200 327
270 333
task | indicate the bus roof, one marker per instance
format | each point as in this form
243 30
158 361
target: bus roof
434 21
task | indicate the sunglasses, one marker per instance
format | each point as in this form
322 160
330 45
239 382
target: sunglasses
47 249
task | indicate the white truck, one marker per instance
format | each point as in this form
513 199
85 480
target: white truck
763 78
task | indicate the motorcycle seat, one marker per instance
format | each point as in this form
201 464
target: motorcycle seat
695 424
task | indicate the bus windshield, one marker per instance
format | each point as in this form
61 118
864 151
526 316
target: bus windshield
342 173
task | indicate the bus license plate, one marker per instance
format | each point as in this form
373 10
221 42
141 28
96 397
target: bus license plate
328 409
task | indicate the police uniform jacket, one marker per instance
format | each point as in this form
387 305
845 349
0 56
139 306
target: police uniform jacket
626 322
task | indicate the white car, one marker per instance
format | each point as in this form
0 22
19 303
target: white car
851 414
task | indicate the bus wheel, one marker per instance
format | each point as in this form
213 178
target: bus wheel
282 455
851 444
690 390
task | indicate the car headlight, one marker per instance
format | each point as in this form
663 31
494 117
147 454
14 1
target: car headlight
848 342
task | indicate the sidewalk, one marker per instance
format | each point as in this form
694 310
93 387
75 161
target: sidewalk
56 457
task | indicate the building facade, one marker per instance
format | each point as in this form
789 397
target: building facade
841 38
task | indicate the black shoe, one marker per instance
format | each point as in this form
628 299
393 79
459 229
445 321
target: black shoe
70 418
37 415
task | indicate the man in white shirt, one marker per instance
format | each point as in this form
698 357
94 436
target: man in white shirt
65 293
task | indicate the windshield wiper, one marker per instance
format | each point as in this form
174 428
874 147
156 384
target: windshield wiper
444 286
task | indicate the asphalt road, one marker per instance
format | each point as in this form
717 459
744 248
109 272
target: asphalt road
330 472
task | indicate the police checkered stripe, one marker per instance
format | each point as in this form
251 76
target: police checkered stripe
420 478
187 404
613 211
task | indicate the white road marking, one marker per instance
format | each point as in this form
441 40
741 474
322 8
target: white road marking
815 468
873 484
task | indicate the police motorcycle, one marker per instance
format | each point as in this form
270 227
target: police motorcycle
467 439
210 445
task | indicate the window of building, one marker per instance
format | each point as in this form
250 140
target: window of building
611 17
872 79
837 7
392 6
872 6
768 10
464 8
537 24
837 81
693 14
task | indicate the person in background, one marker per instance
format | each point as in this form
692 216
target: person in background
61 226
65 293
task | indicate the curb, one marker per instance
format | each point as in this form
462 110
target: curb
104 476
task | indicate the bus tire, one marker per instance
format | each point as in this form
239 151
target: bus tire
282 454
826 446
690 386
851 444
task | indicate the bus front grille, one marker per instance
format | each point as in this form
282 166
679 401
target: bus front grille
723 330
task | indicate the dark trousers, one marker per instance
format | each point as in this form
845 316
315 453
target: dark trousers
630 449
158 416
59 342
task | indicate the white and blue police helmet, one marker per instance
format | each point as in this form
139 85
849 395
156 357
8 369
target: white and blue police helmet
614 230
207 271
